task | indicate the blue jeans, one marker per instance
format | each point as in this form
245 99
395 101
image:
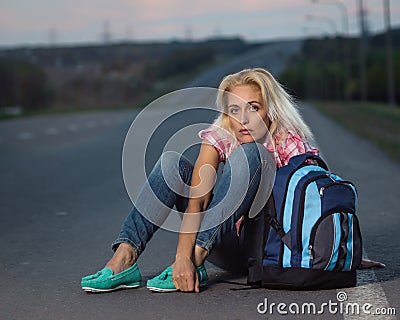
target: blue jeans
171 187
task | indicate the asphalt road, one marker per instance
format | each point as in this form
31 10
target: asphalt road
63 200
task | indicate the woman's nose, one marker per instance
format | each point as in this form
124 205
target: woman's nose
244 118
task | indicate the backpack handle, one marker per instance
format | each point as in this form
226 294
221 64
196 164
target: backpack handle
299 160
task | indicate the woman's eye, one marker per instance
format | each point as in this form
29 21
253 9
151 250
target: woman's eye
253 108
234 110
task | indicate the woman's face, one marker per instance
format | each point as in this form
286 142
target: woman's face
247 114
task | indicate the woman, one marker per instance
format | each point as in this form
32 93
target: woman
258 118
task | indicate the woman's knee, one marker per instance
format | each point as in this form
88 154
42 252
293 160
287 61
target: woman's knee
171 162
252 152
169 159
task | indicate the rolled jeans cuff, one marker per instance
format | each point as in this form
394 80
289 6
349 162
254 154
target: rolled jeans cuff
134 246
201 244
208 240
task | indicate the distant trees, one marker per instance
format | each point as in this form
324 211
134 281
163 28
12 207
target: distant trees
103 76
319 71
22 84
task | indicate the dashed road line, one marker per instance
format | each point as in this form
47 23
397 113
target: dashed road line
52 131
91 124
25 136
72 127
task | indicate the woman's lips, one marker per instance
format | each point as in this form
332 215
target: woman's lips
245 131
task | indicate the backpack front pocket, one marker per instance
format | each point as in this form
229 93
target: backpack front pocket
335 242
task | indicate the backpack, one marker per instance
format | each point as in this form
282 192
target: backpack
311 235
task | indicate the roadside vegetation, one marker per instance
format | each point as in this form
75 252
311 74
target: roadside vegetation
329 69
376 122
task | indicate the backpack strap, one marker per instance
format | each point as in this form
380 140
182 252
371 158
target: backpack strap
255 234
298 161
285 236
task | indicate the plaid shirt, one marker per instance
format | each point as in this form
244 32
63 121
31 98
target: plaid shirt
225 144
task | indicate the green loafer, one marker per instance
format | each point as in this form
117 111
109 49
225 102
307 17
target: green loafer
164 283
106 281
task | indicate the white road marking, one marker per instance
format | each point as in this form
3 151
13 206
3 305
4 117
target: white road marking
72 127
25 135
370 293
91 124
52 131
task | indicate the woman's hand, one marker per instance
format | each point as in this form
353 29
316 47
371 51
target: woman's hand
369 264
184 275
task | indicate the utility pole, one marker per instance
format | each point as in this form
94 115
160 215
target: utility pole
389 54
337 52
129 34
363 49
188 33
346 43
52 37
106 32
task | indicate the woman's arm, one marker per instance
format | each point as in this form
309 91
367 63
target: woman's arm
201 186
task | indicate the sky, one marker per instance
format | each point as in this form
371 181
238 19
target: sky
57 22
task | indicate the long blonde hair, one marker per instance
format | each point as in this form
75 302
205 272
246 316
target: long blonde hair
282 113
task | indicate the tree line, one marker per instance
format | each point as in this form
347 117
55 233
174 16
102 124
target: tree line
329 69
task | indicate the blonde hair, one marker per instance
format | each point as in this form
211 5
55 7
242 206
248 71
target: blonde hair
282 113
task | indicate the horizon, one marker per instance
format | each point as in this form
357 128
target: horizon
117 42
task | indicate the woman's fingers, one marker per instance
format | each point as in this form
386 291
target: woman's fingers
368 264
184 275
197 283
187 282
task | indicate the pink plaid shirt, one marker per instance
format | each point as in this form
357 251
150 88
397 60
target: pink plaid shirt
225 145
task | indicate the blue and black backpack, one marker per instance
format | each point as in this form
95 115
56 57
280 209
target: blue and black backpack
312 237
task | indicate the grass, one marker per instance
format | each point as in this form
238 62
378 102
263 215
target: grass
377 122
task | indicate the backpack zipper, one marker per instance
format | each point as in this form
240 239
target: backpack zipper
310 253
344 183
314 231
